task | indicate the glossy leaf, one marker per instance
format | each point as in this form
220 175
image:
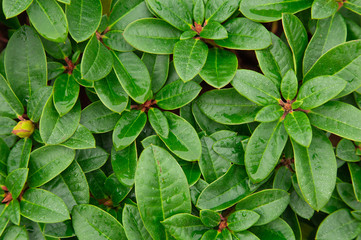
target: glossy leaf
25 63
156 200
132 75
226 190
124 164
58 50
182 139
241 220
8 98
81 139
83 18
159 122
133 224
278 229
91 159
152 35
158 67
264 149
185 226
243 34
329 33
98 118
42 206
116 190
269 204
323 9
128 128
244 235
177 94
210 218
227 106
114 39
13 8
289 85
346 151
19 155
270 113
316 170
214 30
353 5
55 129
91 222
62 229
355 177
48 19
15 181
47 162
220 67
219 11
15 233
346 192
66 91
299 128
319 90
256 87
271 10
231 149
338 118
175 12
37 103
345 67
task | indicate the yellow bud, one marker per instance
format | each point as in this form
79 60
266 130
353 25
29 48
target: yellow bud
24 129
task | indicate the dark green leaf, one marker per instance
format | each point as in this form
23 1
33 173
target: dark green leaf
289 85
214 30
270 113
12 8
353 5
347 194
19 155
58 50
15 233
159 122
231 149
62 229
282 179
156 199
116 190
81 139
278 229
323 9
66 91
133 224
219 10
299 128
15 181
37 103
124 164
242 220
210 218
114 39
346 151
300 206
91 159
158 67
355 170
10 100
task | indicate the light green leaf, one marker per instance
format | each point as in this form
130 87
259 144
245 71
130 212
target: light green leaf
37 103
270 113
289 85
81 139
15 233
231 149
8 97
210 218
214 30
159 122
19 155
91 159
66 92
219 10
12 8
299 128
15 181
323 8
114 39
133 224
242 220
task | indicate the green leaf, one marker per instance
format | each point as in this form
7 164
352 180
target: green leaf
244 34
278 229
264 149
182 139
346 67
191 170
300 206
316 170
256 87
188 34
19 155
276 60
339 225
12 8
347 194
58 50
15 181
227 106
269 204
320 90
323 8
152 35
198 12
15 233
289 85
39 205
91 222
297 39
226 190
55 129
96 180
66 92
4 153
231 149
282 179
98 118
329 33
159 122
242 220
47 162
346 151
133 224
185 226
37 103
210 218
156 199
125 12
219 11
71 185
128 128
175 12
48 19
97 60
158 67
177 94
91 159
13 211
81 139
111 93
220 67
114 39
245 235
201 120
299 128
355 177
270 113
189 58
132 75
214 30
338 118
214 234
83 18
212 165
8 98
25 63
124 164
59 230
271 10
353 5
115 189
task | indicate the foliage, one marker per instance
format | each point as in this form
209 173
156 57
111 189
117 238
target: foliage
180 119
